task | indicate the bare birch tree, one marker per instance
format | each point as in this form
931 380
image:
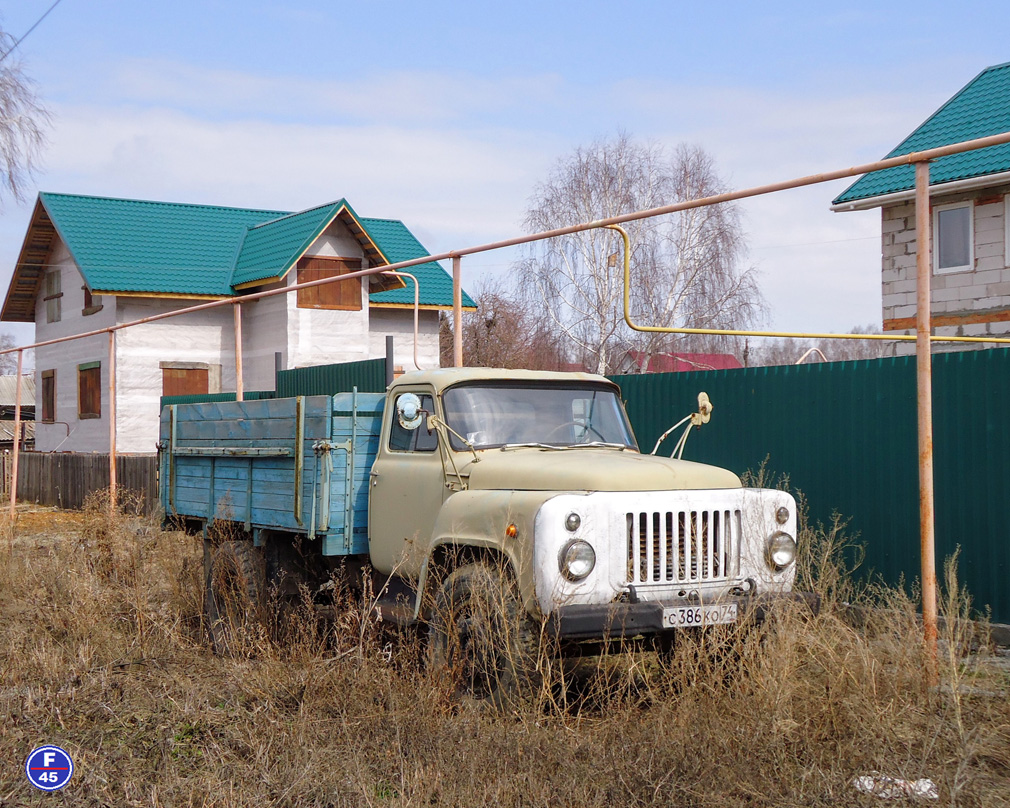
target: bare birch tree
502 332
687 268
22 122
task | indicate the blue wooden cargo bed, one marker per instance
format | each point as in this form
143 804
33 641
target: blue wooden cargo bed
299 465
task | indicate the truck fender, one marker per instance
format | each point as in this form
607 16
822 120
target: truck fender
474 525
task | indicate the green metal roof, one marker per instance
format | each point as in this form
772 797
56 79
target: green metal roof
980 109
127 245
399 244
270 248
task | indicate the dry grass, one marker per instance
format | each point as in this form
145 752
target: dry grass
102 652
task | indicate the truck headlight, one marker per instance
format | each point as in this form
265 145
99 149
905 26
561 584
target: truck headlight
780 551
576 560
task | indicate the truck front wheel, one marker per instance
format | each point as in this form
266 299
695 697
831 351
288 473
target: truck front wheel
234 591
480 636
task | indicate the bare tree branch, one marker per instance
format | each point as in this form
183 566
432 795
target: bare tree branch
22 122
687 268
502 334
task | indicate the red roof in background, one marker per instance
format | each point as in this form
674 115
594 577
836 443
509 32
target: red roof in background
680 362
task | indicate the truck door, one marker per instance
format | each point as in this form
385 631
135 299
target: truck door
406 491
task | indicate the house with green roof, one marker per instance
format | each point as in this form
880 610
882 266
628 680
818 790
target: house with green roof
91 262
969 204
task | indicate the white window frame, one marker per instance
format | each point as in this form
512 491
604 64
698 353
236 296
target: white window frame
1006 230
970 205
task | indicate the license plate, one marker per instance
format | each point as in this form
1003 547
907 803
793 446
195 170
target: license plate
686 616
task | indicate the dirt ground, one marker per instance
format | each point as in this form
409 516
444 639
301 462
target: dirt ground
103 652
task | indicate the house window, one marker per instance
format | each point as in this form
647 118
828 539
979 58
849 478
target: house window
89 390
92 303
53 297
953 238
48 396
345 295
189 378
180 381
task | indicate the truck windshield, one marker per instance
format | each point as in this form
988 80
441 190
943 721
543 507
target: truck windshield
494 415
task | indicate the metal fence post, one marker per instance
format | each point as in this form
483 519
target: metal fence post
112 422
924 390
457 312
17 444
237 309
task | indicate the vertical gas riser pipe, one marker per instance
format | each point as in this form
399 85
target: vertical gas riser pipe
924 389
112 422
17 446
457 312
237 309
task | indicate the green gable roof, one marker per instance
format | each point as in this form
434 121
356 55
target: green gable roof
980 109
399 244
126 245
270 248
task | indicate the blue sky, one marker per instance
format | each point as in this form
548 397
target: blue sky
446 114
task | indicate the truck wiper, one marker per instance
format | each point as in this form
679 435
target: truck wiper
596 444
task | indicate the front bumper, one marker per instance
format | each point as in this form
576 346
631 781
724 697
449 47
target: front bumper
616 621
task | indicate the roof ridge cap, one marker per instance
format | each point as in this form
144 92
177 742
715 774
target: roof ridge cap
292 214
199 205
380 219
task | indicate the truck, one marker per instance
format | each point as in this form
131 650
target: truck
488 507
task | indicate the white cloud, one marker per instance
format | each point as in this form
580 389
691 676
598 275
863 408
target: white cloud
452 182
456 157
416 98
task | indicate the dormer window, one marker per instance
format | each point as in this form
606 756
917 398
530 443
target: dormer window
344 295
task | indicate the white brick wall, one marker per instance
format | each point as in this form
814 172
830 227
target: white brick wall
986 286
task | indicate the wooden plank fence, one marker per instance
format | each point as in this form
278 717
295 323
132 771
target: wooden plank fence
65 479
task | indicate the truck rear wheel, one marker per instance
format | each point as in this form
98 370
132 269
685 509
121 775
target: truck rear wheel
481 637
234 591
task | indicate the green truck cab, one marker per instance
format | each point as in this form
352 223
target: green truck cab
481 495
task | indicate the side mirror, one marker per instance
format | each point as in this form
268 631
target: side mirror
704 414
409 412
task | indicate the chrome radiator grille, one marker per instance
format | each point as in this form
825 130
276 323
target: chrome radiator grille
682 546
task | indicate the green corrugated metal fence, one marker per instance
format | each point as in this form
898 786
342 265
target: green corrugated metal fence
845 433
368 375
200 398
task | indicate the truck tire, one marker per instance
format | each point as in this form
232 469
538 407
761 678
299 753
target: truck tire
481 637
234 592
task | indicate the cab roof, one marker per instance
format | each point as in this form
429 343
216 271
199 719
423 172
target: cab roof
442 378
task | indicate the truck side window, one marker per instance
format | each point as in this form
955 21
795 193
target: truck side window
417 440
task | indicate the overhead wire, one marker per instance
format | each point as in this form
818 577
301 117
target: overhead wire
26 33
